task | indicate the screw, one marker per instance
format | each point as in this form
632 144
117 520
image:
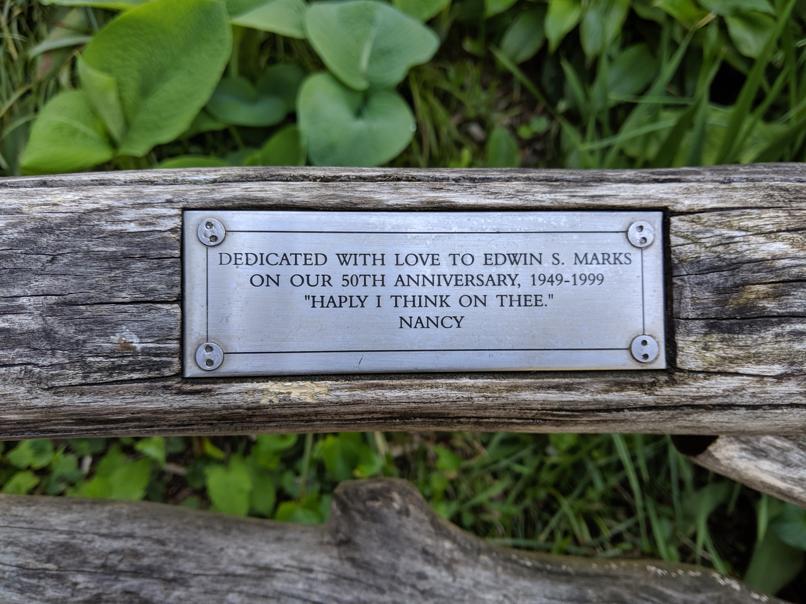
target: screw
209 356
211 232
644 348
641 234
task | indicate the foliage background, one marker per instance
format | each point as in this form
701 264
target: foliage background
564 83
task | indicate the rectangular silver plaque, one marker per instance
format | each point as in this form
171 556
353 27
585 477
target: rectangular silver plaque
282 293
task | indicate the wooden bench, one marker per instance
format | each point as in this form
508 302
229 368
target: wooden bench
90 321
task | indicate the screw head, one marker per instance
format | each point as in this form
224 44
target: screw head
209 356
644 348
211 232
641 234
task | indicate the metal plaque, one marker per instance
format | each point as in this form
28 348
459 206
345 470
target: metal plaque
283 293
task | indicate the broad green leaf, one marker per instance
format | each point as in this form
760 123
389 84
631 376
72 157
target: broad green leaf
629 74
790 526
726 8
129 481
193 161
283 81
284 148
501 150
614 19
229 487
773 565
494 7
367 43
750 31
298 513
343 127
591 30
524 37
600 25
562 17
284 17
236 101
204 122
166 57
340 453
34 454
109 4
153 447
63 472
117 477
21 483
263 495
102 91
422 10
66 136
686 12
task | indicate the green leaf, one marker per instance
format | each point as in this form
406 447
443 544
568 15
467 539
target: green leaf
153 447
236 101
501 150
283 81
211 450
727 8
166 57
117 477
423 10
741 109
495 7
773 565
298 513
343 127
34 454
750 32
340 454
268 448
687 12
284 17
102 91
263 495
21 483
524 37
204 122
63 471
600 25
284 148
109 4
562 17
229 487
193 161
630 73
790 527
367 43
66 136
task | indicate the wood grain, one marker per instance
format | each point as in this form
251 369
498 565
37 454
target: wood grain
382 544
90 317
772 464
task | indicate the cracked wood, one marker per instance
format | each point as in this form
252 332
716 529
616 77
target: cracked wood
90 318
382 544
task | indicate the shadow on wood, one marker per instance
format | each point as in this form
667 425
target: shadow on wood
382 544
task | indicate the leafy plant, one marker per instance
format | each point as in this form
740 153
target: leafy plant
154 74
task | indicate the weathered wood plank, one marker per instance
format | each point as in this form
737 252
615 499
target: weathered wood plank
382 544
90 306
771 464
